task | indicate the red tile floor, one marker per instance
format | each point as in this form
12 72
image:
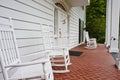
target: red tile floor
95 64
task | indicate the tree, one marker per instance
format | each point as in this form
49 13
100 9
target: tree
95 19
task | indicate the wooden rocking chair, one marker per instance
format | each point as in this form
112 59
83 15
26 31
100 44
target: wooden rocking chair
59 55
11 64
91 42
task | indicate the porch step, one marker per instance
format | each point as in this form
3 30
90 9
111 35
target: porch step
61 71
57 60
58 64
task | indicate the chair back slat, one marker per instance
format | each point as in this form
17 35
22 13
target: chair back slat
10 46
8 49
4 48
87 36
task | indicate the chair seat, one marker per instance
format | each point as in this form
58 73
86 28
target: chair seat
28 72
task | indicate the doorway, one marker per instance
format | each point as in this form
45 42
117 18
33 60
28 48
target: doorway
81 27
61 29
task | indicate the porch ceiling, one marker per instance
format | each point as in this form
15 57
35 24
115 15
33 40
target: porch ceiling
75 3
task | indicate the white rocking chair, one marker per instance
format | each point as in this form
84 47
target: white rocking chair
11 65
91 42
59 56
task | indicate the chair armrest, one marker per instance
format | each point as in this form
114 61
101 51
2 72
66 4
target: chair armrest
29 63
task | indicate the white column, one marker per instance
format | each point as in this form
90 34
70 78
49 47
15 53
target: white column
108 23
114 26
84 25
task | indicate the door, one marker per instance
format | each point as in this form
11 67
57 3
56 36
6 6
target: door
79 30
62 29
81 27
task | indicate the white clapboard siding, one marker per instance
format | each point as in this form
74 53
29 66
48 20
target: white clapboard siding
24 8
12 7
38 5
76 13
29 42
22 16
30 49
27 26
46 4
49 1
27 34
32 57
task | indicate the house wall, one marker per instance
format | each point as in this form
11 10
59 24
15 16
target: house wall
28 16
76 13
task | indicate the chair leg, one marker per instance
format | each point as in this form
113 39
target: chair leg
68 57
66 65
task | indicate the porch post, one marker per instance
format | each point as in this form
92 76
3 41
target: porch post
114 26
108 23
84 25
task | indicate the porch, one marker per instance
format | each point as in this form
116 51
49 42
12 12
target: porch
30 16
95 64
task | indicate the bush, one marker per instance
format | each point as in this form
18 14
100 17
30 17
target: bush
95 19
